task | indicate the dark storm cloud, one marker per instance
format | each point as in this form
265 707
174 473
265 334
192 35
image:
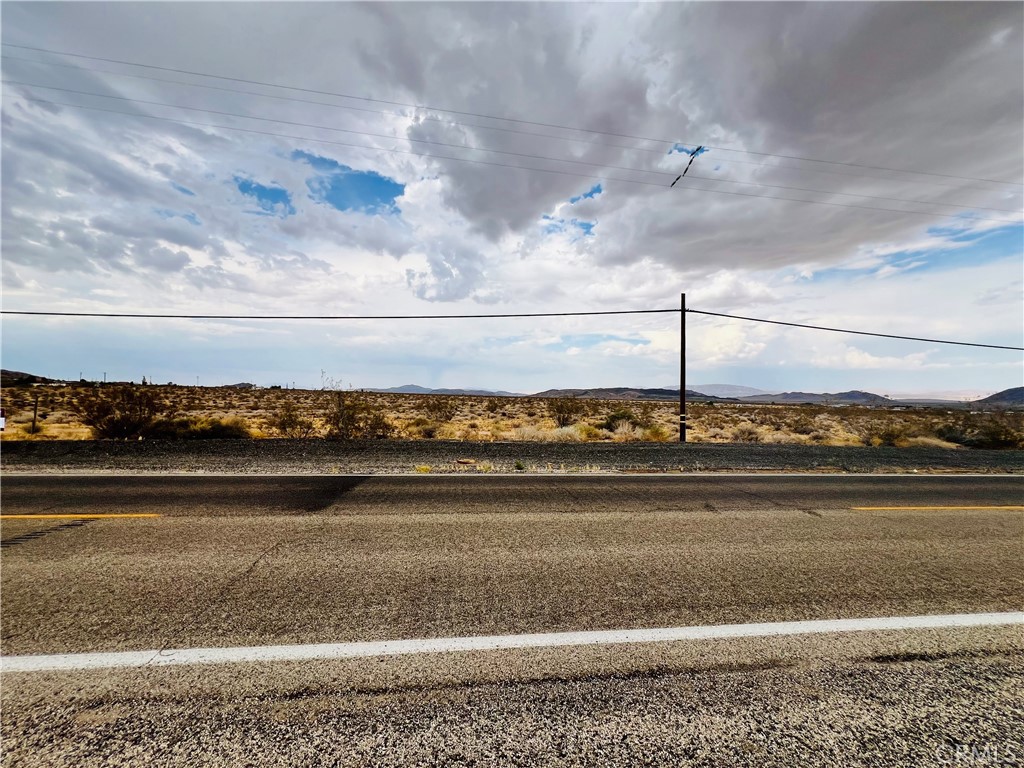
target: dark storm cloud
918 86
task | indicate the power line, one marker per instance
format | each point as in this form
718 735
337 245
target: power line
164 316
343 130
858 333
666 174
168 316
392 150
493 117
932 214
449 121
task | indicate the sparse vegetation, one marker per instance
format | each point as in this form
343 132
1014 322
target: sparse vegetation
440 407
289 421
125 412
120 412
198 428
566 410
351 416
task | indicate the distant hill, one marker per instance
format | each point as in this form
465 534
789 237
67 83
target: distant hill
414 389
625 393
854 397
16 378
728 390
1008 398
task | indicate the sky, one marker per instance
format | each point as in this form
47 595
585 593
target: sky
434 158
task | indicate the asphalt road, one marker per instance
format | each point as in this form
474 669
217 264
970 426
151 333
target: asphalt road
270 561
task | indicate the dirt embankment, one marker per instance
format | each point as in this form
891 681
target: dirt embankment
399 457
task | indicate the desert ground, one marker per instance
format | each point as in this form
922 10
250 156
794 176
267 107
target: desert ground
64 412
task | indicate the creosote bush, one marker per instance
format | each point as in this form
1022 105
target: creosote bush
351 416
566 410
119 412
440 408
198 428
289 421
620 416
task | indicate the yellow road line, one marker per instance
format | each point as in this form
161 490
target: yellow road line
76 517
951 506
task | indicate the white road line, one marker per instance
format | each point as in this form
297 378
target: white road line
189 656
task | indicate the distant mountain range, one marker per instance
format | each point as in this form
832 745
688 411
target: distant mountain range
1008 398
725 390
854 397
413 389
625 393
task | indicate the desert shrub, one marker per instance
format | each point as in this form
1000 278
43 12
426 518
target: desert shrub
537 435
566 410
894 435
930 442
376 425
803 425
620 416
627 433
493 405
590 432
289 421
562 435
656 434
992 431
421 427
746 432
440 408
645 414
119 413
351 416
198 428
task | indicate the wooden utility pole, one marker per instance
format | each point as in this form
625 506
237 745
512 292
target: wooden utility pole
682 368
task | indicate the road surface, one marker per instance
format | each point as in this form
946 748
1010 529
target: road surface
115 588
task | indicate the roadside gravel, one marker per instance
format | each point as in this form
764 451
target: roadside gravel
405 457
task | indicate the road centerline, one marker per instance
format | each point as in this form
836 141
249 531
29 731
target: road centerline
939 508
81 516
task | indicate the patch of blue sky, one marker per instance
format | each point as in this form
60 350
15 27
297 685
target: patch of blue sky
347 189
555 226
183 190
682 149
190 217
588 340
272 200
552 226
971 249
594 191
587 227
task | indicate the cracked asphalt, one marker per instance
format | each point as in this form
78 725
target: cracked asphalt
239 561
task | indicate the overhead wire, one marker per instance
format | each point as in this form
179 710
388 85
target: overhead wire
450 121
498 315
602 177
495 117
666 174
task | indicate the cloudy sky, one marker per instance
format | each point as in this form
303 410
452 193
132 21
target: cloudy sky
434 158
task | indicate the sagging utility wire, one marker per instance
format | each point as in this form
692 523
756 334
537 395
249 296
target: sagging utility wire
170 316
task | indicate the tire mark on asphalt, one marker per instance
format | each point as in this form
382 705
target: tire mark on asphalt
33 535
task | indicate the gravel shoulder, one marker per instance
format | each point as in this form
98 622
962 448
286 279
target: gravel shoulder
408 457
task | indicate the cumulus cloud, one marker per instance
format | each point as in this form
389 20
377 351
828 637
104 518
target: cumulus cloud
461 208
